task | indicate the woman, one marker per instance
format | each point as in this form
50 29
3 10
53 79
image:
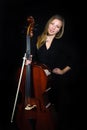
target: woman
58 57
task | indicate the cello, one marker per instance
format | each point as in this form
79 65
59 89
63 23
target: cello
34 76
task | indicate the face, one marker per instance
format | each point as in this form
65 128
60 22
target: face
54 27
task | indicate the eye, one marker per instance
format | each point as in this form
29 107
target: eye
58 26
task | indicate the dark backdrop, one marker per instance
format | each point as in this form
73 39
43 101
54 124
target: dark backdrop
13 16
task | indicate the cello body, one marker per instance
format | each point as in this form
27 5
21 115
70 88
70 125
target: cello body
39 118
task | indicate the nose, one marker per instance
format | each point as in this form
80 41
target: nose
54 27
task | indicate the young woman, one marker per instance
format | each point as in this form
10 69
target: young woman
58 57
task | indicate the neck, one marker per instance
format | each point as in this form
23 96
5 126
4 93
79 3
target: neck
50 37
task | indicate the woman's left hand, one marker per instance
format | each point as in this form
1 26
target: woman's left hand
61 71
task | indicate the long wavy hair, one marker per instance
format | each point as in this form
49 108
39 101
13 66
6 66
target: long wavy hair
42 38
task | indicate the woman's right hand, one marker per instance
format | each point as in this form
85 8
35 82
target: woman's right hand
28 61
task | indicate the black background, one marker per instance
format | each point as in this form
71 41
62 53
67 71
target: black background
13 16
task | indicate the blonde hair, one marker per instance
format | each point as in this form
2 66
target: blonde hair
42 38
